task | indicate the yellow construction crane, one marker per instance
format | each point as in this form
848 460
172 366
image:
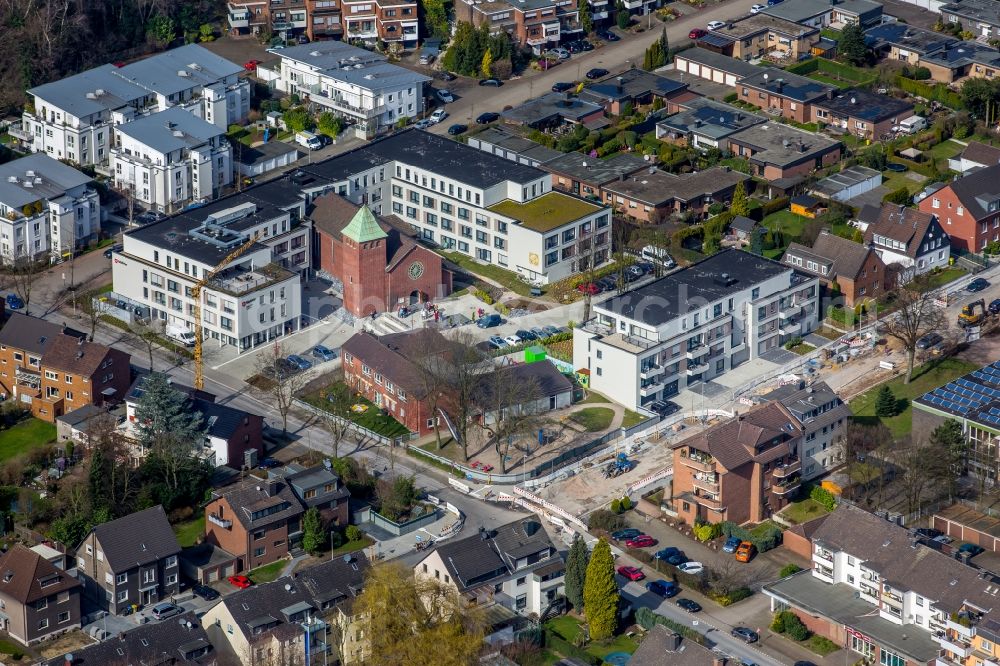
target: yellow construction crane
199 374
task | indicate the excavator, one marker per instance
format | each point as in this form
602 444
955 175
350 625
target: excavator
972 314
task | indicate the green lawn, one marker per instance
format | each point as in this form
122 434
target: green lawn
893 181
803 511
15 651
820 645
594 397
790 224
372 418
945 149
823 78
499 275
631 418
547 211
267 573
28 434
931 281
568 628
802 349
593 419
351 546
187 533
928 376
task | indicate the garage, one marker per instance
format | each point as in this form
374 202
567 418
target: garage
206 563
712 66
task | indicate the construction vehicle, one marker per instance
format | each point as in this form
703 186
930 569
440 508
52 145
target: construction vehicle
199 365
972 314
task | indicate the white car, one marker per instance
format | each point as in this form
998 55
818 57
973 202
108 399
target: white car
438 116
691 567
512 339
715 25
445 96
422 124
756 9
560 53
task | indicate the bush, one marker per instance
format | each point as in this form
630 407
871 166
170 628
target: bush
795 630
626 503
900 196
353 533
708 532
788 570
824 497
733 596
647 619
730 98
764 537
602 519
616 506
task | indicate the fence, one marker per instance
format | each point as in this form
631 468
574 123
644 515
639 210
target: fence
351 426
400 529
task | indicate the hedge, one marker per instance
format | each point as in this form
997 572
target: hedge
846 72
824 497
564 647
772 206
769 538
937 92
647 619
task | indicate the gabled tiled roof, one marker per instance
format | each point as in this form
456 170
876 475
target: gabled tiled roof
979 190
23 572
980 153
253 495
31 333
842 257
76 356
662 646
906 225
393 355
749 437
137 539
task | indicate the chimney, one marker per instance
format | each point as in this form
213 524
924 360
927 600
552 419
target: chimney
780 83
621 84
674 643
718 661
69 659
272 487
829 94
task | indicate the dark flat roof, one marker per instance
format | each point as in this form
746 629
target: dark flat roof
594 169
550 107
908 37
859 103
787 84
633 83
251 155
690 288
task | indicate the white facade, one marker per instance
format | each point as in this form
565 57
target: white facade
72 118
170 159
718 316
46 207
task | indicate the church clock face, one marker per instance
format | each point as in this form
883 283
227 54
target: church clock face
416 270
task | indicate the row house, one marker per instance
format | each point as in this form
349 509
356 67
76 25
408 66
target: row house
651 195
980 17
742 470
537 24
957 61
782 93
705 124
884 596
372 21
968 209
74 118
170 159
651 343
864 114
902 42
130 562
760 34
47 209
53 370
845 268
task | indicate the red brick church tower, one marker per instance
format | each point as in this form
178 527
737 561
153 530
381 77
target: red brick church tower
364 260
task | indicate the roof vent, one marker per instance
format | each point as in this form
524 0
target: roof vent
179 134
30 173
91 95
99 92
184 73
11 179
315 54
195 66
8 575
28 184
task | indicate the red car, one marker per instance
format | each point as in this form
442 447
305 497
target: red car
641 541
241 582
696 33
251 65
632 573
588 288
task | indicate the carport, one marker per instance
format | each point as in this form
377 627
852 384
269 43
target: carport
207 564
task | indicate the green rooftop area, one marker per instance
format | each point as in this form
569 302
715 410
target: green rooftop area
547 212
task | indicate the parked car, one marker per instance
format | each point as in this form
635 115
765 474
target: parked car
745 552
563 86
438 116
641 541
526 335
585 45
445 96
978 285
323 353
512 340
489 321
422 124
995 306
445 76
929 340
757 9
608 36
745 634
487 117
591 288
299 362
732 543
166 609
14 302
269 463
496 83
632 573
664 407
663 588
302 39
627 533
551 330
240 581
608 283
560 53
696 33
671 555
539 333
597 73
205 592
689 605
715 25
457 129
498 341
691 567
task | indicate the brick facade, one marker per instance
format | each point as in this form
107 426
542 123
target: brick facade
414 414
966 232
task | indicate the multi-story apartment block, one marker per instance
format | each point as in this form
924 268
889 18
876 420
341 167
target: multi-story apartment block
693 325
39 601
741 470
255 298
254 520
515 565
53 372
369 22
758 34
537 24
73 118
876 591
171 158
46 207
479 204
381 20
823 417
131 561
968 209
354 83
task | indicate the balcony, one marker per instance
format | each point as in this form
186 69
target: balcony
954 624
697 351
786 470
786 486
650 371
698 461
696 368
706 482
25 377
791 311
18 133
823 556
943 660
341 105
956 646
650 389
221 522
708 502
790 327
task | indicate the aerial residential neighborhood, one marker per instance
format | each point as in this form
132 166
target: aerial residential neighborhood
513 333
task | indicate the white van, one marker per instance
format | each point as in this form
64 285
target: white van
180 334
309 140
912 125
657 255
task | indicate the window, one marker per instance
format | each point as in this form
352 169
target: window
887 658
63 617
43 623
258 552
862 646
121 579
122 596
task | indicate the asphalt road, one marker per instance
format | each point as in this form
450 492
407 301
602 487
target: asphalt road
471 99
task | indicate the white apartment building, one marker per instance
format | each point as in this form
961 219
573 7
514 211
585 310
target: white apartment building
358 85
475 203
257 298
73 118
824 419
693 325
171 158
46 207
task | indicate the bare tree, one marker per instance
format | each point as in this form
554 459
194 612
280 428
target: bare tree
919 470
509 408
24 272
864 450
283 382
338 402
148 335
916 316
128 192
432 377
462 370
586 251
620 238
93 308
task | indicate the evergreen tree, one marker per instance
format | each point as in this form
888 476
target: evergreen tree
586 20
621 15
313 531
486 68
851 46
664 46
162 412
98 478
950 446
741 203
885 403
600 593
576 572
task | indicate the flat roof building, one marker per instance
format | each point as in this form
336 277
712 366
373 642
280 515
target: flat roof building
705 123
